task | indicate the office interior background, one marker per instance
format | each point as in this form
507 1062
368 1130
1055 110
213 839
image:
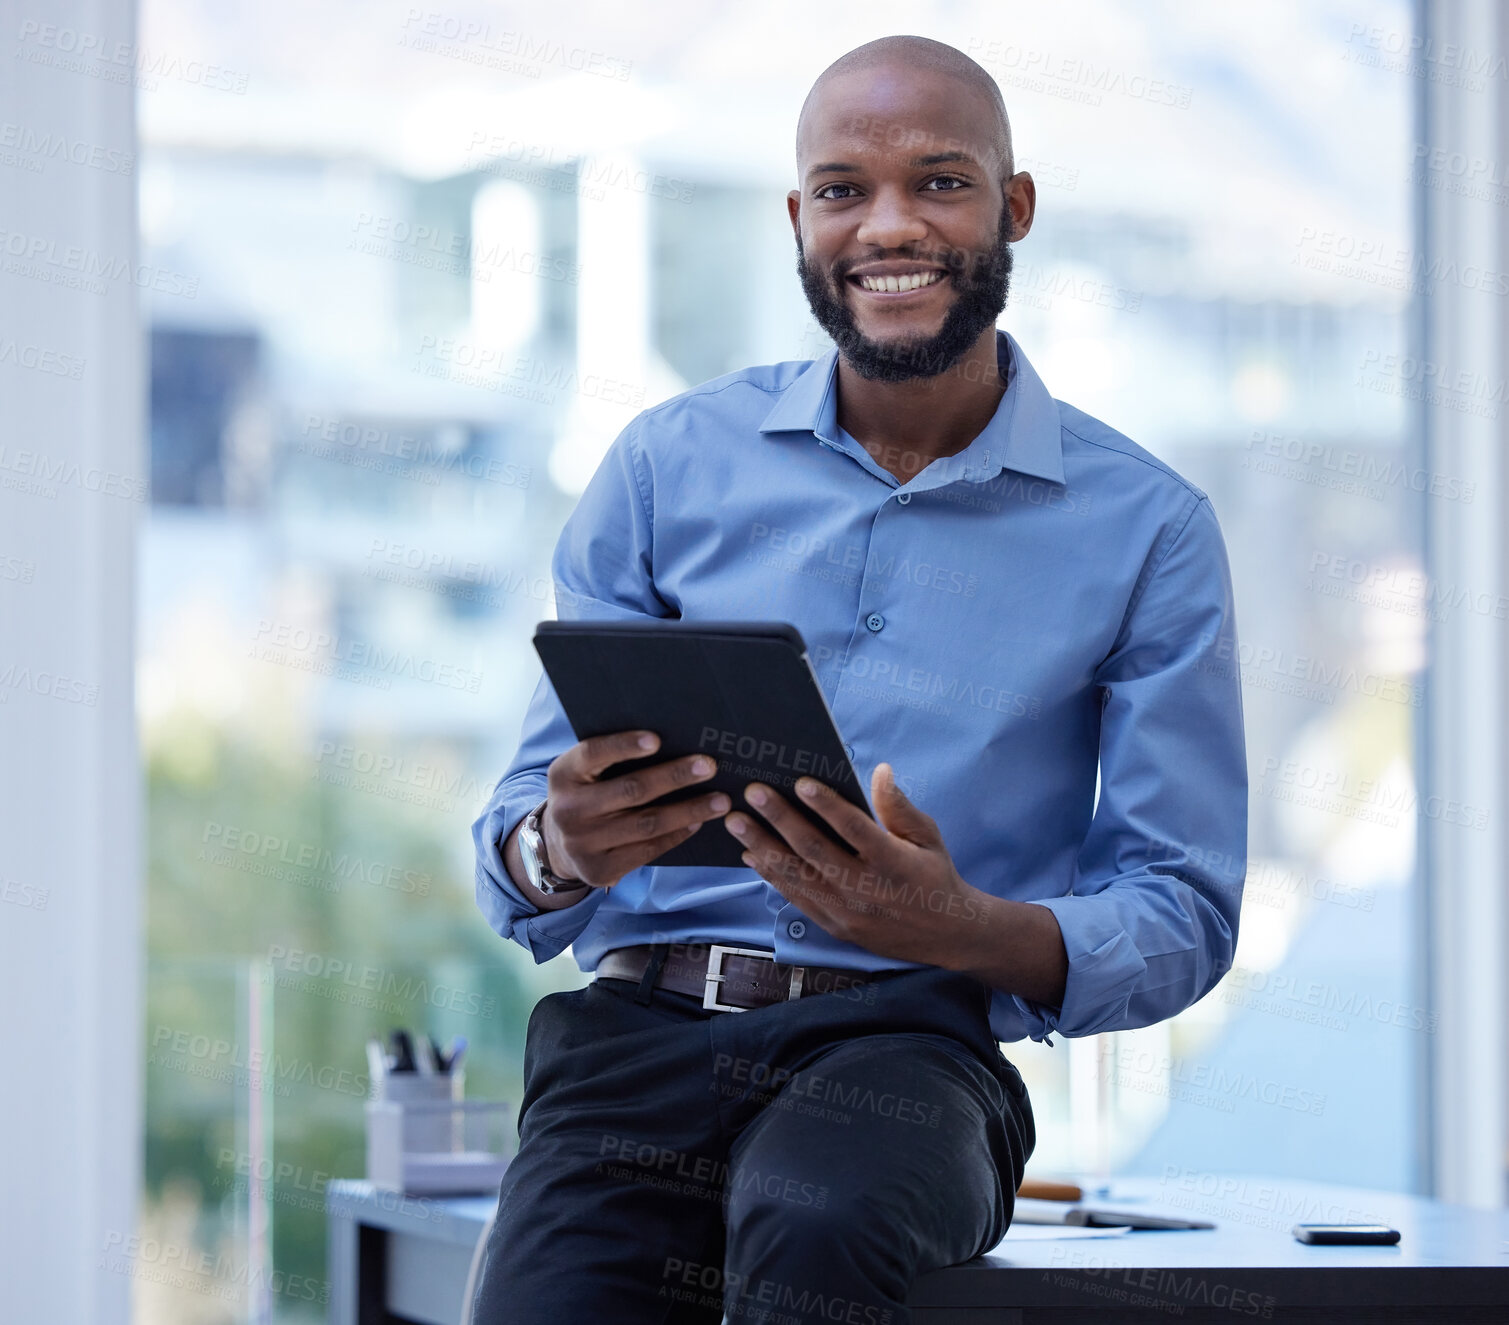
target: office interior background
314 320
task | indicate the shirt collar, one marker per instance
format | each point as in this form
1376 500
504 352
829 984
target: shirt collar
1023 434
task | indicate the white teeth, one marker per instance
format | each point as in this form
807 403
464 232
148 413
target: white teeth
897 284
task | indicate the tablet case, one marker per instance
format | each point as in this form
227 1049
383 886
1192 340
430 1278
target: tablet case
743 692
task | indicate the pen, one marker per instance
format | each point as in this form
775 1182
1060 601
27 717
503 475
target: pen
1043 1190
458 1047
403 1051
424 1056
1116 1218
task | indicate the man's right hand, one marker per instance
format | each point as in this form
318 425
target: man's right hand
598 829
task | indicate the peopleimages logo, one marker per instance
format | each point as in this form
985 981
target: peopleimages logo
1325 464
212 1274
216 1059
682 1170
1134 1067
42 257
506 49
764 754
376 980
41 359
1289 996
350 659
225 844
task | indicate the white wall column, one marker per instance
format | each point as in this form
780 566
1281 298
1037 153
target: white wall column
613 357
72 484
1463 87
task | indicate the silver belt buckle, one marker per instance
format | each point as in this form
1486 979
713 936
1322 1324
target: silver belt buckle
715 977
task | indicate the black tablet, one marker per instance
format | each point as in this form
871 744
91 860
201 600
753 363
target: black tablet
742 692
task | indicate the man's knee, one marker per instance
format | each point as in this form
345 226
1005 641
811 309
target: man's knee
811 1221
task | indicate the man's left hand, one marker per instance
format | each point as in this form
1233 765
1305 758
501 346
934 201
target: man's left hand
900 896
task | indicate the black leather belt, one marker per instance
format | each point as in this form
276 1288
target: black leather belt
728 978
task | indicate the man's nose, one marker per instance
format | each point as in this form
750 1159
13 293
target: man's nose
891 220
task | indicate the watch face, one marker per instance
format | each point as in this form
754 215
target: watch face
527 852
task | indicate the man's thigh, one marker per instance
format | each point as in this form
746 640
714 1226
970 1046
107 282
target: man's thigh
887 1156
617 1182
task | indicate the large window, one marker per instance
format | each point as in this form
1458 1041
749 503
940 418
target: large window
432 260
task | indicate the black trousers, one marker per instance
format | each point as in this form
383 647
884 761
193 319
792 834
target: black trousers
800 1162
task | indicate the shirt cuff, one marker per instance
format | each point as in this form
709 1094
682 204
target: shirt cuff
1104 968
545 934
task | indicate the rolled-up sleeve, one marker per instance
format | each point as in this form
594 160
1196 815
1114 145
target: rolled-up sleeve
602 569
1150 922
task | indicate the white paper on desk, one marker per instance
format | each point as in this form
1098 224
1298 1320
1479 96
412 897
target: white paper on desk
1033 1210
1053 1232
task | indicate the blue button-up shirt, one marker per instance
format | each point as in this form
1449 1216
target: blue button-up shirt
1048 603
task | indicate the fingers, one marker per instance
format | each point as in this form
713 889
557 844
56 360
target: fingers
768 854
850 822
643 823
618 862
586 760
795 828
590 826
601 850
643 785
896 811
605 826
799 881
585 763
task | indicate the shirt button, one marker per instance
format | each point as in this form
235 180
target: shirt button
849 750
797 929
903 497
875 621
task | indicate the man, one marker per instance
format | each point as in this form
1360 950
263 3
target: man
1001 596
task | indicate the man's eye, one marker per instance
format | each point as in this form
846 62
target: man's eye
947 179
824 190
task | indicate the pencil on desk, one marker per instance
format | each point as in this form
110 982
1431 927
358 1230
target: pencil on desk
1042 1190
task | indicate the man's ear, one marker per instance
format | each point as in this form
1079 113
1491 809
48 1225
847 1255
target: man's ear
794 210
1028 186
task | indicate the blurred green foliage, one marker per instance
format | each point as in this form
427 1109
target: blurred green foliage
361 905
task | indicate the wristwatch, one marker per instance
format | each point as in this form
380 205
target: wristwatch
536 865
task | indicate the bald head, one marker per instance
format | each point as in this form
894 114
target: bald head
872 72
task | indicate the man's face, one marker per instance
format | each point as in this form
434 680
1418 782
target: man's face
918 201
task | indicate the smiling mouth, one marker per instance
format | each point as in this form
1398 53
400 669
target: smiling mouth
902 284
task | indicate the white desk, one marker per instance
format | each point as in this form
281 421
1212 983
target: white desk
396 1260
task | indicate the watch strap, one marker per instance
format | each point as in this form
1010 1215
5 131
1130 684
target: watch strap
550 882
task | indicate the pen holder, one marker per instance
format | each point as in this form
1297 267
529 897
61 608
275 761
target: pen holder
423 1131
424 1140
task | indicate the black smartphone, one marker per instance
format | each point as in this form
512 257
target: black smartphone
1347 1235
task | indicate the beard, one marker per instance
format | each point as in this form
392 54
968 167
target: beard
980 284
